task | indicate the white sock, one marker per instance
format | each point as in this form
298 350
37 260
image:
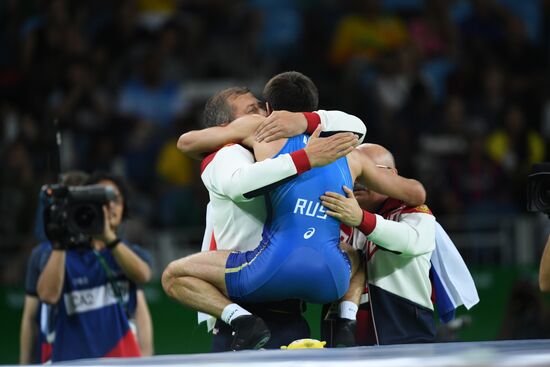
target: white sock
348 310
232 311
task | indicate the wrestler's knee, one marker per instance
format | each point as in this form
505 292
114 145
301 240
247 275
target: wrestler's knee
167 279
174 270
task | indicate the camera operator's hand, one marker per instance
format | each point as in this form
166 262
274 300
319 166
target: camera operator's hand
109 233
131 264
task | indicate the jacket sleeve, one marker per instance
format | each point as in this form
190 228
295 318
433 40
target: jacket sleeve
338 121
233 173
412 235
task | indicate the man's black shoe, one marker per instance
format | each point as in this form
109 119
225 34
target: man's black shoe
251 332
344 333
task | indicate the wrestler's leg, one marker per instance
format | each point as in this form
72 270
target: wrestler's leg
343 331
357 281
198 281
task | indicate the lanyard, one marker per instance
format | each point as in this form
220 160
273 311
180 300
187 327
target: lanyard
111 278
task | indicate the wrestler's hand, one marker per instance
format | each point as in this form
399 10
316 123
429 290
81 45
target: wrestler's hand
345 209
322 151
281 124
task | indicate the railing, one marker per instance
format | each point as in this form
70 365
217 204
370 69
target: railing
498 240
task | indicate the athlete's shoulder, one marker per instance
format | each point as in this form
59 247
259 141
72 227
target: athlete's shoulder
354 162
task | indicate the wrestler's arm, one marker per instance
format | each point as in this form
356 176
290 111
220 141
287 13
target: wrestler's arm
408 190
244 130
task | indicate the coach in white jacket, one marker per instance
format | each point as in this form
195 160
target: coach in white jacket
395 305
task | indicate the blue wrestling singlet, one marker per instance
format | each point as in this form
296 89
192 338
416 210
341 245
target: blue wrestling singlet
299 256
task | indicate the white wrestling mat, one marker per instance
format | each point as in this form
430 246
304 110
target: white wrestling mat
499 353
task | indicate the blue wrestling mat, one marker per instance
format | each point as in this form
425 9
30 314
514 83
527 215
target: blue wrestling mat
494 353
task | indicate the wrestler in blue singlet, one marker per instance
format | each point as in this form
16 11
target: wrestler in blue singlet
299 256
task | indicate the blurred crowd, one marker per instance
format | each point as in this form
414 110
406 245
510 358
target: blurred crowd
456 89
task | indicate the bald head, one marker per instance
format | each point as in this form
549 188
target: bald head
378 154
368 199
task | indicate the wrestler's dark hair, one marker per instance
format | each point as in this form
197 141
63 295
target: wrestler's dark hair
218 110
120 183
291 91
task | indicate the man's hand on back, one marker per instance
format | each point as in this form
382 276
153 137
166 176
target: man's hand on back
322 151
281 124
344 208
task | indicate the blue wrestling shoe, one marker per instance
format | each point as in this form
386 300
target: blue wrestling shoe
251 332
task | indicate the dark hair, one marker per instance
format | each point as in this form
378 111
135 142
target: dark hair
74 178
217 110
291 91
120 183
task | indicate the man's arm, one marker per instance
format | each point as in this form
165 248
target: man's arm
28 336
408 190
544 271
132 265
234 174
279 124
144 325
197 143
284 124
412 235
50 282
29 327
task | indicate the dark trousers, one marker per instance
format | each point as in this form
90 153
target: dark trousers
284 320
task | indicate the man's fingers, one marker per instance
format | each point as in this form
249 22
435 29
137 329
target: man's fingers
317 132
334 214
343 140
333 195
267 122
329 205
344 137
106 215
269 138
274 135
348 192
345 151
269 131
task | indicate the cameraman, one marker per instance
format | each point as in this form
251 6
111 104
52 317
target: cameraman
94 288
32 341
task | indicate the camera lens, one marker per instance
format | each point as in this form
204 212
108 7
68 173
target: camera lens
85 217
